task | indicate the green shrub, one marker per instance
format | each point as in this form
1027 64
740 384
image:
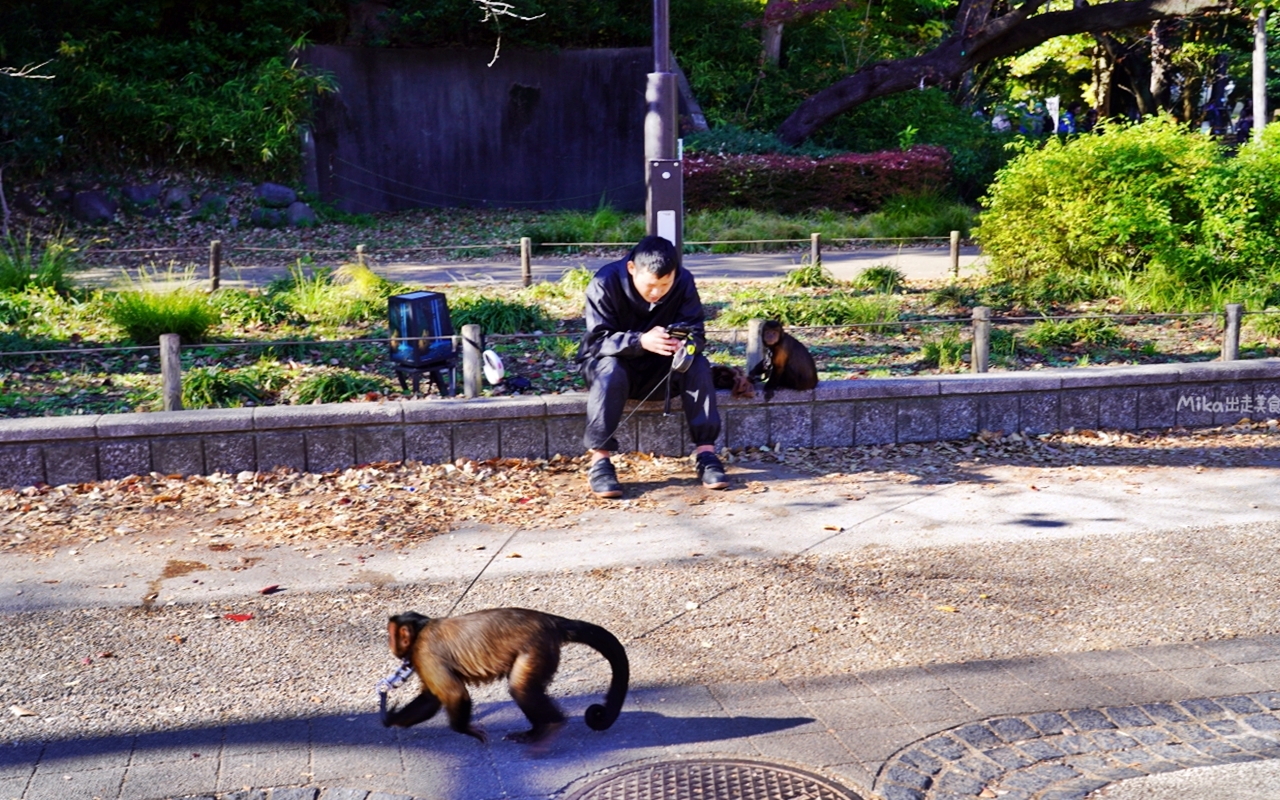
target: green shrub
572 283
496 315
1116 202
248 308
336 385
1050 333
1266 324
953 295
562 348
1004 344
23 265
352 295
146 311
945 351
218 387
880 278
836 309
809 276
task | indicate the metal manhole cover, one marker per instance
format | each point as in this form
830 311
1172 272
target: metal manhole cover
712 779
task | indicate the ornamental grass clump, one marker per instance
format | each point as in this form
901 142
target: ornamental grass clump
149 308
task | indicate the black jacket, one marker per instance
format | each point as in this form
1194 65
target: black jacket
617 315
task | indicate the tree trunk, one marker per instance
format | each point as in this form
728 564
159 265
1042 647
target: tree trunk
771 42
1162 47
993 38
4 204
1103 75
1260 117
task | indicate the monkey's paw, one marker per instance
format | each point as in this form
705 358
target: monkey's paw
537 735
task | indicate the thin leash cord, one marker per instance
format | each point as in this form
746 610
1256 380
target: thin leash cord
465 591
481 572
799 552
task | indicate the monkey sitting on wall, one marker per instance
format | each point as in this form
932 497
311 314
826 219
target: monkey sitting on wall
448 653
787 364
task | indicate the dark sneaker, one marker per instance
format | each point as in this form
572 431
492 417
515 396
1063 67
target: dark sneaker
603 479
711 471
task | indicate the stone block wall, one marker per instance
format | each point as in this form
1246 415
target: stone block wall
77 449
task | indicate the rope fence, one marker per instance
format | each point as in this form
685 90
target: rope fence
218 251
470 342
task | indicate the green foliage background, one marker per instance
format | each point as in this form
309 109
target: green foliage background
1153 209
204 82
215 83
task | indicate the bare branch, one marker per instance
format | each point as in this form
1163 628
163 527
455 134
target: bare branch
497 8
29 71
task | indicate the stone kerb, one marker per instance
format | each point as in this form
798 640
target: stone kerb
320 438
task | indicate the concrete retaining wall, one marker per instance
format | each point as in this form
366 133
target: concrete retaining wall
57 450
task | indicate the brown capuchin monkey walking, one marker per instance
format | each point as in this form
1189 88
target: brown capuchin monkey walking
450 652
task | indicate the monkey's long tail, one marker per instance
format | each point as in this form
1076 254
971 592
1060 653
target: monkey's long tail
599 717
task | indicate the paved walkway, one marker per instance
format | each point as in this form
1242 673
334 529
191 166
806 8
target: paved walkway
1054 727
1202 718
916 262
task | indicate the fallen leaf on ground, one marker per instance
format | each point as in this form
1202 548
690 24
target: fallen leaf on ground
239 617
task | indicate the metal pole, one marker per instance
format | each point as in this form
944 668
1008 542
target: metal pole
664 192
815 249
1231 332
981 338
171 371
755 347
955 253
215 264
471 369
526 268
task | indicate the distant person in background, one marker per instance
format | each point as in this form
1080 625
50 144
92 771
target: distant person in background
1244 125
1067 120
1000 122
1219 119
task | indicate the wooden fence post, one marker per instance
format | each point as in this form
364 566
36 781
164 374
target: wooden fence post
1231 332
981 338
471 365
815 249
526 268
215 264
955 253
755 347
171 371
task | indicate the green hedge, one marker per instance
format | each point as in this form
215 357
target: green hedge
1153 203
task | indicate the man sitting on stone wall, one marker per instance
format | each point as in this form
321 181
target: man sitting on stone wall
632 305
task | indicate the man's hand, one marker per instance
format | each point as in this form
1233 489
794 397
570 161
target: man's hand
657 341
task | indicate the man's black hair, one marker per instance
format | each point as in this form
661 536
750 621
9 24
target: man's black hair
655 256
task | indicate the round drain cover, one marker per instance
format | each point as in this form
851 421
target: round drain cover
712 779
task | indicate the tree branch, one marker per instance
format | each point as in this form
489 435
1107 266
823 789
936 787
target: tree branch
1002 36
29 71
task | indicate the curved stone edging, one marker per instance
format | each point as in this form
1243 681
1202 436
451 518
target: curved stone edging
1067 755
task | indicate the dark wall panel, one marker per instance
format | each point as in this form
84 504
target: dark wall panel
414 128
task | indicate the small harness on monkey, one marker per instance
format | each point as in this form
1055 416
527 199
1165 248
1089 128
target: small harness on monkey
392 681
